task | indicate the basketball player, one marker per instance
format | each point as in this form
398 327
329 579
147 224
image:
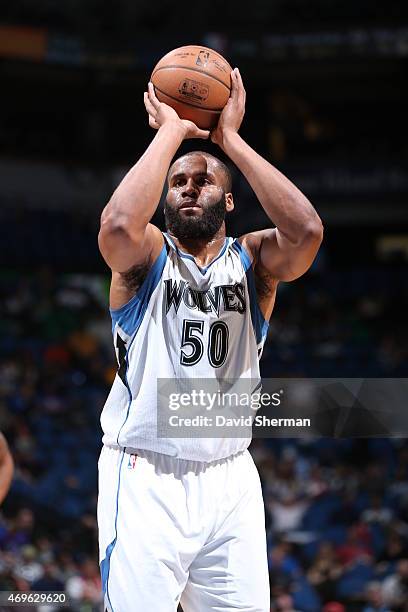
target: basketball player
182 519
6 468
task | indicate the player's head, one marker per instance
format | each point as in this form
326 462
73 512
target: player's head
199 196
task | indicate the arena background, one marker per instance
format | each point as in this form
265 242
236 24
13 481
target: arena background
326 103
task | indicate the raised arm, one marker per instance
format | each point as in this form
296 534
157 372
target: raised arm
126 237
6 468
287 251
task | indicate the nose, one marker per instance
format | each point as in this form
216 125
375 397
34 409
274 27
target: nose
190 188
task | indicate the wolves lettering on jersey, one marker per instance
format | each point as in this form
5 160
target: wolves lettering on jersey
185 321
232 296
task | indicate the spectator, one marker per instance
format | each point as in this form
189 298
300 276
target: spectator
334 606
395 548
86 586
325 571
49 580
375 599
357 545
287 514
20 532
283 603
281 560
395 587
287 502
29 568
377 512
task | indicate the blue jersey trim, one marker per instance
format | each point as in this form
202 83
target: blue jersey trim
259 322
191 258
243 253
105 563
130 315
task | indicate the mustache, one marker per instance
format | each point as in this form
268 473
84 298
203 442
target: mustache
186 202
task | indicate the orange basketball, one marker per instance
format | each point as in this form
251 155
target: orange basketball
195 81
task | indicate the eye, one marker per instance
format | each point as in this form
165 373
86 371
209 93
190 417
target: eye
179 182
203 181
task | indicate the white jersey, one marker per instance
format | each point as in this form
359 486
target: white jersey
178 302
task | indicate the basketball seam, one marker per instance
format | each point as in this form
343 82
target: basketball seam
200 47
210 110
194 70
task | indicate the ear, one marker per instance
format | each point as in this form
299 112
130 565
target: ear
229 202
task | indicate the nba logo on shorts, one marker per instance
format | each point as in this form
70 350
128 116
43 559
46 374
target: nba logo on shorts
132 462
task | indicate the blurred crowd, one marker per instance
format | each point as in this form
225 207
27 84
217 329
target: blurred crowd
340 322
56 366
337 510
337 519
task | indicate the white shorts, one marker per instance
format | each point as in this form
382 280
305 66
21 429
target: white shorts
172 530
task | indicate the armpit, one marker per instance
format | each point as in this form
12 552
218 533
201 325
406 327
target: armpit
134 277
265 284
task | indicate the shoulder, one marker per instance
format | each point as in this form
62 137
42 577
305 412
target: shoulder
252 242
125 285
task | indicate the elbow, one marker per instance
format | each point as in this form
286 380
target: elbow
117 225
117 218
112 230
113 221
313 231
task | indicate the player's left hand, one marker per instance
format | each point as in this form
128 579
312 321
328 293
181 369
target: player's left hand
233 112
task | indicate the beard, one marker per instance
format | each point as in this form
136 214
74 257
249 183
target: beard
203 227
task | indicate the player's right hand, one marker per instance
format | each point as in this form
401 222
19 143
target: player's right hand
161 114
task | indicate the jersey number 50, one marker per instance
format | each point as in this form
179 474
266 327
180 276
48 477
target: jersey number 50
192 339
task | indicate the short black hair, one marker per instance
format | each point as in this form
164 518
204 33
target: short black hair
223 167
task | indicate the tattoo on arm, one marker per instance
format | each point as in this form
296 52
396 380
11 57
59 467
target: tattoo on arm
264 284
135 276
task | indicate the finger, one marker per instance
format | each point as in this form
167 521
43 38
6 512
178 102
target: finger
204 134
241 95
240 83
239 79
234 85
152 96
149 106
194 131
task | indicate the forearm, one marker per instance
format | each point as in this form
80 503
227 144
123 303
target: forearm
282 201
138 194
